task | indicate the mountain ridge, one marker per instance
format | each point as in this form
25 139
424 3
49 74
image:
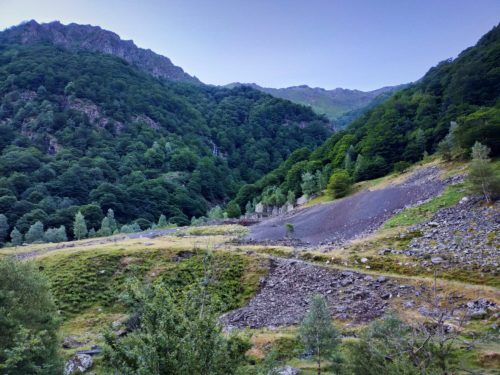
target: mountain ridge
95 39
334 103
340 105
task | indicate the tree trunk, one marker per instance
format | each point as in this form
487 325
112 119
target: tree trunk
319 361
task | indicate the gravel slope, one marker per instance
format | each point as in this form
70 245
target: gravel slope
285 294
362 213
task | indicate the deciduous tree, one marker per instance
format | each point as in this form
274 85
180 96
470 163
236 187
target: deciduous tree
317 331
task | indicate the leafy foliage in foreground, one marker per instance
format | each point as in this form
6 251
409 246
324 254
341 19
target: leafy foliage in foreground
463 94
82 131
28 322
175 336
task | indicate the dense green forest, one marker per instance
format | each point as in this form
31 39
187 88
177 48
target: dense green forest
82 131
455 104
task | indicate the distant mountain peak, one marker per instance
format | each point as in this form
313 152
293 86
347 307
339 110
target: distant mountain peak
338 104
95 39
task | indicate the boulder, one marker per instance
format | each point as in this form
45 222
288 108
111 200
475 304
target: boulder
78 364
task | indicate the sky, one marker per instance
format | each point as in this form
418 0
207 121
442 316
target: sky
356 44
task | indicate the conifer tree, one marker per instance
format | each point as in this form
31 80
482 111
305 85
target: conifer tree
162 221
35 233
80 227
112 221
16 237
317 332
482 177
105 228
4 227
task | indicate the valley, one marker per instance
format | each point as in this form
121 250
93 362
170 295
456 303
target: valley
154 224
266 285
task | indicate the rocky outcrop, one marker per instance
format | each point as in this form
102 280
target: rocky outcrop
94 39
78 364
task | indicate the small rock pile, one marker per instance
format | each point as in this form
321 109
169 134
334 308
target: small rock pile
481 308
285 295
467 234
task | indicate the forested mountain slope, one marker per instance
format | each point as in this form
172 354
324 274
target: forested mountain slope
87 131
461 94
76 37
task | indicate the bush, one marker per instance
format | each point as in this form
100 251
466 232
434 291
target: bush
339 184
56 234
28 323
233 210
401 166
390 346
175 337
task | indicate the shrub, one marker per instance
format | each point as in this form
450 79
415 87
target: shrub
233 210
56 234
174 337
28 343
401 166
339 184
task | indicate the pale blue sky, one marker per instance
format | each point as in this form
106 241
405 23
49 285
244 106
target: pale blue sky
277 43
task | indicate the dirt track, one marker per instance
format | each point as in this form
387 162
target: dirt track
352 217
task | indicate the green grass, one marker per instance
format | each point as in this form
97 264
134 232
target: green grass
214 230
408 266
415 215
87 279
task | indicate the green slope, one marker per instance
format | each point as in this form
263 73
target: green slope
81 128
401 129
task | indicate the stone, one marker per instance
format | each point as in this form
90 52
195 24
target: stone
79 363
479 314
302 200
287 370
364 260
436 260
69 342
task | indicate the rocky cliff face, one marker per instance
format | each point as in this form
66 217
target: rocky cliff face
93 38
